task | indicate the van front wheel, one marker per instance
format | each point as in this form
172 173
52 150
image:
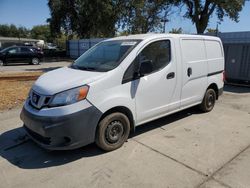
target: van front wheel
209 101
113 131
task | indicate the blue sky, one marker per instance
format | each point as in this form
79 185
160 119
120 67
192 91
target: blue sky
35 12
24 12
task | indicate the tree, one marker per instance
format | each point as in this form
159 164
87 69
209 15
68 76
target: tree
13 31
41 32
142 16
176 31
4 30
200 11
86 18
212 31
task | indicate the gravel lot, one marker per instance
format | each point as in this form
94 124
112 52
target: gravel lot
20 77
188 149
44 66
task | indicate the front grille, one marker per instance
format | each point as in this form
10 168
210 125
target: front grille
38 137
37 100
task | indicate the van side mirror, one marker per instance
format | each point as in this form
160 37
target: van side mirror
146 67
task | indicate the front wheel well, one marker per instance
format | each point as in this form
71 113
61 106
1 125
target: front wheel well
215 88
123 110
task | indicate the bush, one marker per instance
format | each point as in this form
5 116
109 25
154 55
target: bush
54 53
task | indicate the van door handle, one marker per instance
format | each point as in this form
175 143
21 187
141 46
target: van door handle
171 75
189 72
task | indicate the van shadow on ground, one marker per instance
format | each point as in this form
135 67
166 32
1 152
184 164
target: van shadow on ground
20 151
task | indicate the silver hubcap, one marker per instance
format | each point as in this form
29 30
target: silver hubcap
35 61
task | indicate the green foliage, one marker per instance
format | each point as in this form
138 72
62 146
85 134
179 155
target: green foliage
41 32
60 41
176 31
210 30
142 16
86 18
13 31
200 11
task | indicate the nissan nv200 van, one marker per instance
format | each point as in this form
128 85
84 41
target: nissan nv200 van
121 83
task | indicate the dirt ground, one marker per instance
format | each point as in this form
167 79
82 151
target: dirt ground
17 79
14 88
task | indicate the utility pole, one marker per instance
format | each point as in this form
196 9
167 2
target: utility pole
217 29
164 21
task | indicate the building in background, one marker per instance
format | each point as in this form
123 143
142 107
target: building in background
10 41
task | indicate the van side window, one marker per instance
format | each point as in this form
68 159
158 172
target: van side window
130 72
157 53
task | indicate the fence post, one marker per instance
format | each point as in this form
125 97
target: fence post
89 43
67 48
78 48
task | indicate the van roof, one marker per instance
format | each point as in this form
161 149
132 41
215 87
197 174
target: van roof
159 35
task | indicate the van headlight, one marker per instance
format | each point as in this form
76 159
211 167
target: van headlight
70 96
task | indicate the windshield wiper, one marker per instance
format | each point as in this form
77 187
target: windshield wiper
87 68
83 68
73 66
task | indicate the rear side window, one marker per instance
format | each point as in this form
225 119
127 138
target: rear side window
158 53
214 50
25 50
193 50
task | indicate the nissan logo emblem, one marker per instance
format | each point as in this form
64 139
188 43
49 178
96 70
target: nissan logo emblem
34 98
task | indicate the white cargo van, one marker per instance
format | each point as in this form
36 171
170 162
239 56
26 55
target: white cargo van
121 83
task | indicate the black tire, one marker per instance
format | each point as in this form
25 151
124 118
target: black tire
113 130
208 101
35 61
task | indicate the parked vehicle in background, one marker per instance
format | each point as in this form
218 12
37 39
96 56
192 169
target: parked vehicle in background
120 84
21 54
51 46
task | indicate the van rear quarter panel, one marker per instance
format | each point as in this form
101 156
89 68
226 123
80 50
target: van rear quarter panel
216 62
215 56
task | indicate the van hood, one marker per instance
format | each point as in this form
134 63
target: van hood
63 79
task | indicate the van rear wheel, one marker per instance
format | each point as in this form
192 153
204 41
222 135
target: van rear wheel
208 101
113 131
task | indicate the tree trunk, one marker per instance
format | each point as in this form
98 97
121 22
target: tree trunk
201 26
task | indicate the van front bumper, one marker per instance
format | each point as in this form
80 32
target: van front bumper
62 132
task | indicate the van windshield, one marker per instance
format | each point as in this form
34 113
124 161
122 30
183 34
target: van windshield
105 56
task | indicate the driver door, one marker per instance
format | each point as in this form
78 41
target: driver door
155 91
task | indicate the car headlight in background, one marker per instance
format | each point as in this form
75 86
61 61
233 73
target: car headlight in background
70 96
